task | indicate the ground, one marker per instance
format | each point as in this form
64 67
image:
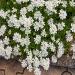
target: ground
12 67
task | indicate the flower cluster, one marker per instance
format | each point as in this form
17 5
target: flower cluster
37 30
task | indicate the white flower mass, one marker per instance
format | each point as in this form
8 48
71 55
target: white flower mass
62 14
37 30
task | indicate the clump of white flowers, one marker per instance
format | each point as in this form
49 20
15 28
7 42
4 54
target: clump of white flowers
53 28
60 26
62 14
54 59
17 37
2 30
69 36
73 27
3 14
51 4
60 49
21 1
37 39
37 30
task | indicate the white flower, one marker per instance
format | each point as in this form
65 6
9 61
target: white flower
43 53
38 3
37 71
27 31
23 11
53 29
30 68
52 47
24 63
22 42
60 51
49 5
14 10
64 3
38 15
72 3
73 27
50 21
17 37
36 62
6 40
44 45
60 26
29 58
45 63
21 1
38 25
26 22
25 1
1 43
3 14
2 51
2 30
62 14
8 52
13 21
36 52
69 36
37 39
25 41
54 59
43 33
30 7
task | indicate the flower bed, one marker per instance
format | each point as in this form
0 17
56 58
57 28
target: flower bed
37 31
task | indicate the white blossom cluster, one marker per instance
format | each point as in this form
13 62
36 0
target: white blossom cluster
37 30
